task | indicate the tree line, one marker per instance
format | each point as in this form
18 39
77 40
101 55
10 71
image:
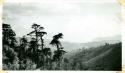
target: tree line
30 55
35 55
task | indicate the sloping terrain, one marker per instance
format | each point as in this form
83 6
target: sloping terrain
107 57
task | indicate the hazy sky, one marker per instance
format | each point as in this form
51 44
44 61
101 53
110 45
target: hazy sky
78 20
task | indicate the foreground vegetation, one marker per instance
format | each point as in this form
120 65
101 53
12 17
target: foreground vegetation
35 55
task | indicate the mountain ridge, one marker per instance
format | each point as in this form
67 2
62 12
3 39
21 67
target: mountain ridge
71 46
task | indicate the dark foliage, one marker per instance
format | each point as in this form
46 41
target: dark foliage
35 55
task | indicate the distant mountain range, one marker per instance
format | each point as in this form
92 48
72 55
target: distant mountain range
100 41
95 43
69 46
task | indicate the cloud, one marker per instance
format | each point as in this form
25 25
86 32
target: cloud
77 21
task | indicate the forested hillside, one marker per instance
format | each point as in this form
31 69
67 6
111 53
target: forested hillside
31 55
22 54
106 57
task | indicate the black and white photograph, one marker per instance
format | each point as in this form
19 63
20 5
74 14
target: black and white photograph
62 35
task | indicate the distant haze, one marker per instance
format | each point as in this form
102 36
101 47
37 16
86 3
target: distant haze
79 22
